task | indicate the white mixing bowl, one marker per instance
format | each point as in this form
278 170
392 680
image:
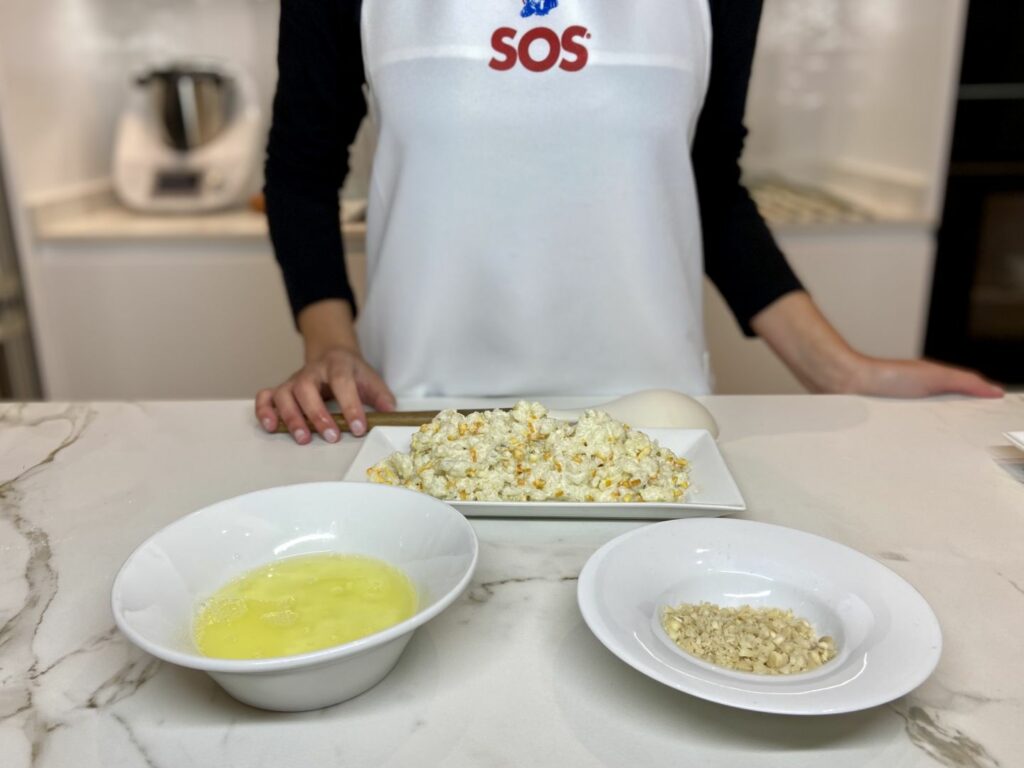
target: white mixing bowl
158 589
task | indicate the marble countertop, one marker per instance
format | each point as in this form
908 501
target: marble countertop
510 675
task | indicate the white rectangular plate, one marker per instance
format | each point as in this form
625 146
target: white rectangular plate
712 490
1017 438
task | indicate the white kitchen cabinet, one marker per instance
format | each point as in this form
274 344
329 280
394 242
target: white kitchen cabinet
130 307
156 321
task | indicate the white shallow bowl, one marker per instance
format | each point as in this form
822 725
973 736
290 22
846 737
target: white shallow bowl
887 636
156 592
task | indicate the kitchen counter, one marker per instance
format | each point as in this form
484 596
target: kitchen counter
100 217
510 675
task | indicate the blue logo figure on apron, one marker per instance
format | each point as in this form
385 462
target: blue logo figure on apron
538 7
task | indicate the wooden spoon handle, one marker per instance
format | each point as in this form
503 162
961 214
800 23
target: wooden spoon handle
381 419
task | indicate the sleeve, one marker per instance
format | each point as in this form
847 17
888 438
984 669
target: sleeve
740 254
318 108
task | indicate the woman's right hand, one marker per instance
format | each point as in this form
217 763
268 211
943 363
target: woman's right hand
334 368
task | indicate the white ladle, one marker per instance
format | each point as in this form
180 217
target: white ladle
664 408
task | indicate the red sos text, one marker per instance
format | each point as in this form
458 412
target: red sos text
567 50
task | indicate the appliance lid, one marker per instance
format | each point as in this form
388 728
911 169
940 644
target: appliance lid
191 104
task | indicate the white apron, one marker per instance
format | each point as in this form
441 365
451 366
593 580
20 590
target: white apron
533 225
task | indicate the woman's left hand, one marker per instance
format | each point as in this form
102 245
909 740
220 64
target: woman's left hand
918 378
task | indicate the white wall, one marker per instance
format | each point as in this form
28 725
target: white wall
65 66
857 88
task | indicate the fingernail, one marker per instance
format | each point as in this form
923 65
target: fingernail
331 435
357 428
268 424
301 434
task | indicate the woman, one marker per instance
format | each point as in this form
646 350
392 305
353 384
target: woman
551 181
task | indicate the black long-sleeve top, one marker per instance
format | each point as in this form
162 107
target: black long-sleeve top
319 106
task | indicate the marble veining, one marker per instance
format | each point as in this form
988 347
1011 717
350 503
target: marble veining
509 674
143 753
1011 582
19 630
947 745
894 556
484 591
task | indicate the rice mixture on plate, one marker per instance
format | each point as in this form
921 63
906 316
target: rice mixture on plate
764 641
526 455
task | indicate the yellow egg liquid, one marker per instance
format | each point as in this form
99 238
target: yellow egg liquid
303 604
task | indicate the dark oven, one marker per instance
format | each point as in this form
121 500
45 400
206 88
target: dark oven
977 308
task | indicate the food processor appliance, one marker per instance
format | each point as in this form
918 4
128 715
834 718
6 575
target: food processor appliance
188 140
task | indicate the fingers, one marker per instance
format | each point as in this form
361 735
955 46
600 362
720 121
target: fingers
307 393
299 402
347 394
969 383
981 387
922 378
289 411
265 413
373 389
